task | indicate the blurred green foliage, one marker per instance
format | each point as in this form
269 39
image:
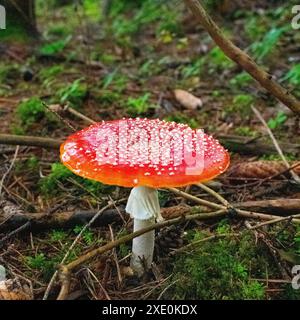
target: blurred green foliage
277 121
293 76
262 49
55 47
74 94
139 105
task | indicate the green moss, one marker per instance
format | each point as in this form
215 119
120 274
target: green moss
60 174
246 132
220 269
33 111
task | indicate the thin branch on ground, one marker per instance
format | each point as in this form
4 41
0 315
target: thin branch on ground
9 169
30 141
234 211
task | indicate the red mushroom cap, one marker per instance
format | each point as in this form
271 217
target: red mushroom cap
144 152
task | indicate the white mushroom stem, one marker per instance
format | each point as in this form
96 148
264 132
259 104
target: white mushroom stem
143 206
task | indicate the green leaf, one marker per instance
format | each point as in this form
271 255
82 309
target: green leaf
55 47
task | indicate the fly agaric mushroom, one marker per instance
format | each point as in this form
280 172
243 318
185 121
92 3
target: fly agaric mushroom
144 154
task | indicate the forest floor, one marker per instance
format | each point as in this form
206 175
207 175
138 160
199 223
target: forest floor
129 66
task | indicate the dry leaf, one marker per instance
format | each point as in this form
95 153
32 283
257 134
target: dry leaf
187 100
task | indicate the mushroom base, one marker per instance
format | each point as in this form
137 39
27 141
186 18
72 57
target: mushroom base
142 247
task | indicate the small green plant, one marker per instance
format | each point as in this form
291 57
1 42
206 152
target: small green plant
255 27
58 235
293 76
32 111
246 132
75 93
263 48
137 106
241 104
87 235
218 60
41 263
193 69
51 72
38 261
47 265
148 68
55 47
116 80
241 80
124 250
278 121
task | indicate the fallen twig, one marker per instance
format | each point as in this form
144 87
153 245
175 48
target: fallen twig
9 169
234 210
47 143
